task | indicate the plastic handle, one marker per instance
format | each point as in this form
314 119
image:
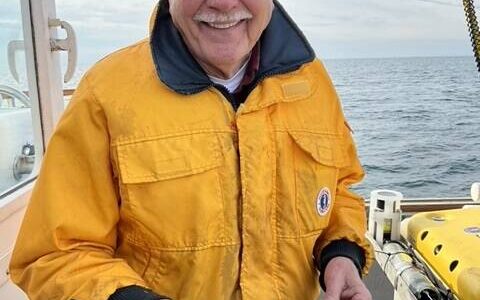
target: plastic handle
13 47
68 44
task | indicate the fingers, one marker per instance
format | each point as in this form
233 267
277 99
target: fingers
361 297
336 278
356 292
331 297
343 282
338 289
334 290
339 292
349 293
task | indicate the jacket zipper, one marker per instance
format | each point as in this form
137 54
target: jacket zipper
223 93
237 109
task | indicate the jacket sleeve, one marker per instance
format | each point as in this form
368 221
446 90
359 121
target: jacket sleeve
134 292
66 245
345 234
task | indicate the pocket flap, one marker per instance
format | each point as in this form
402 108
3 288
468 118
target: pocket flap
327 149
168 157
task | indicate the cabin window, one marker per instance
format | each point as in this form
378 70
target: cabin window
21 143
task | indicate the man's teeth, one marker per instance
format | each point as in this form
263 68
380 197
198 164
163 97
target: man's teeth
223 25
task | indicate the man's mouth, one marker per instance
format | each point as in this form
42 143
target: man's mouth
223 25
223 21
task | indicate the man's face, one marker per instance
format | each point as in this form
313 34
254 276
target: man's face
221 33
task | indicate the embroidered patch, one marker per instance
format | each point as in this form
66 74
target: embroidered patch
324 202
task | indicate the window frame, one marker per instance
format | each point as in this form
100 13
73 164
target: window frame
45 89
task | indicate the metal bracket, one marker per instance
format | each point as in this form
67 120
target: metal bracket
23 163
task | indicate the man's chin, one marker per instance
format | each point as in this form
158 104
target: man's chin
224 57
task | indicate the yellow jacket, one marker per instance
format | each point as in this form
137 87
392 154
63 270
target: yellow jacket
168 187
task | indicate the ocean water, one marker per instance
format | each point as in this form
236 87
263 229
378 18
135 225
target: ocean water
416 121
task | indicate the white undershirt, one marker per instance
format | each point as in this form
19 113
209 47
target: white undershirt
232 83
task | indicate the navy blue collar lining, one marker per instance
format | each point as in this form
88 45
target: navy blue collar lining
284 48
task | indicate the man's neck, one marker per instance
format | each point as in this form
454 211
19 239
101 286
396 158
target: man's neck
232 83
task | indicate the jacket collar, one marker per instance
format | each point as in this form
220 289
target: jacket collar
284 48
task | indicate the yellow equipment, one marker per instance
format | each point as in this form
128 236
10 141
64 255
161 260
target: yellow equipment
449 242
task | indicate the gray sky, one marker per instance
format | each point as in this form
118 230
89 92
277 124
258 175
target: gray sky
380 28
336 28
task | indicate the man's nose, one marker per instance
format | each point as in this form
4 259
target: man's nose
223 5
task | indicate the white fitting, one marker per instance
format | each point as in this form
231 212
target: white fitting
475 192
386 216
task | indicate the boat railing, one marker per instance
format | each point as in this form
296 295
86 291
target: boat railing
13 96
411 206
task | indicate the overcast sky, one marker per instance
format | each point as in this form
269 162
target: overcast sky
336 28
379 28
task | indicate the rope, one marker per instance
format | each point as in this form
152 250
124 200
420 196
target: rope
473 29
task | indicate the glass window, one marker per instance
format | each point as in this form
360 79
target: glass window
18 148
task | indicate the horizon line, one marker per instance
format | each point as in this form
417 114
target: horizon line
397 57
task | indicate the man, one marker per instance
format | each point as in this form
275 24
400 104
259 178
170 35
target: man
211 162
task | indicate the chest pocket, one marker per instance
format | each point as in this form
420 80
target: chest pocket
173 189
315 163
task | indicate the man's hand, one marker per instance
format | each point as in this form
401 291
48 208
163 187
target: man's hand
343 282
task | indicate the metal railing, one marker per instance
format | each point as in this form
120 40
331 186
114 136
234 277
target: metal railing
13 95
416 205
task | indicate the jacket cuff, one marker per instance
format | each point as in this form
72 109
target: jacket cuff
341 248
134 292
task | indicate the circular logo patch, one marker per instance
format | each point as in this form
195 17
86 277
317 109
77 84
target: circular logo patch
324 202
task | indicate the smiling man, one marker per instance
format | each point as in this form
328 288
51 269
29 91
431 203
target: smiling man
221 34
211 161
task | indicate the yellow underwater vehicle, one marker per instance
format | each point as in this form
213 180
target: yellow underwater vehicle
434 254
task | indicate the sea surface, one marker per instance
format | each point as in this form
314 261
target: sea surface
416 121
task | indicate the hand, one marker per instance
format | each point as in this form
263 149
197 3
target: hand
343 282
